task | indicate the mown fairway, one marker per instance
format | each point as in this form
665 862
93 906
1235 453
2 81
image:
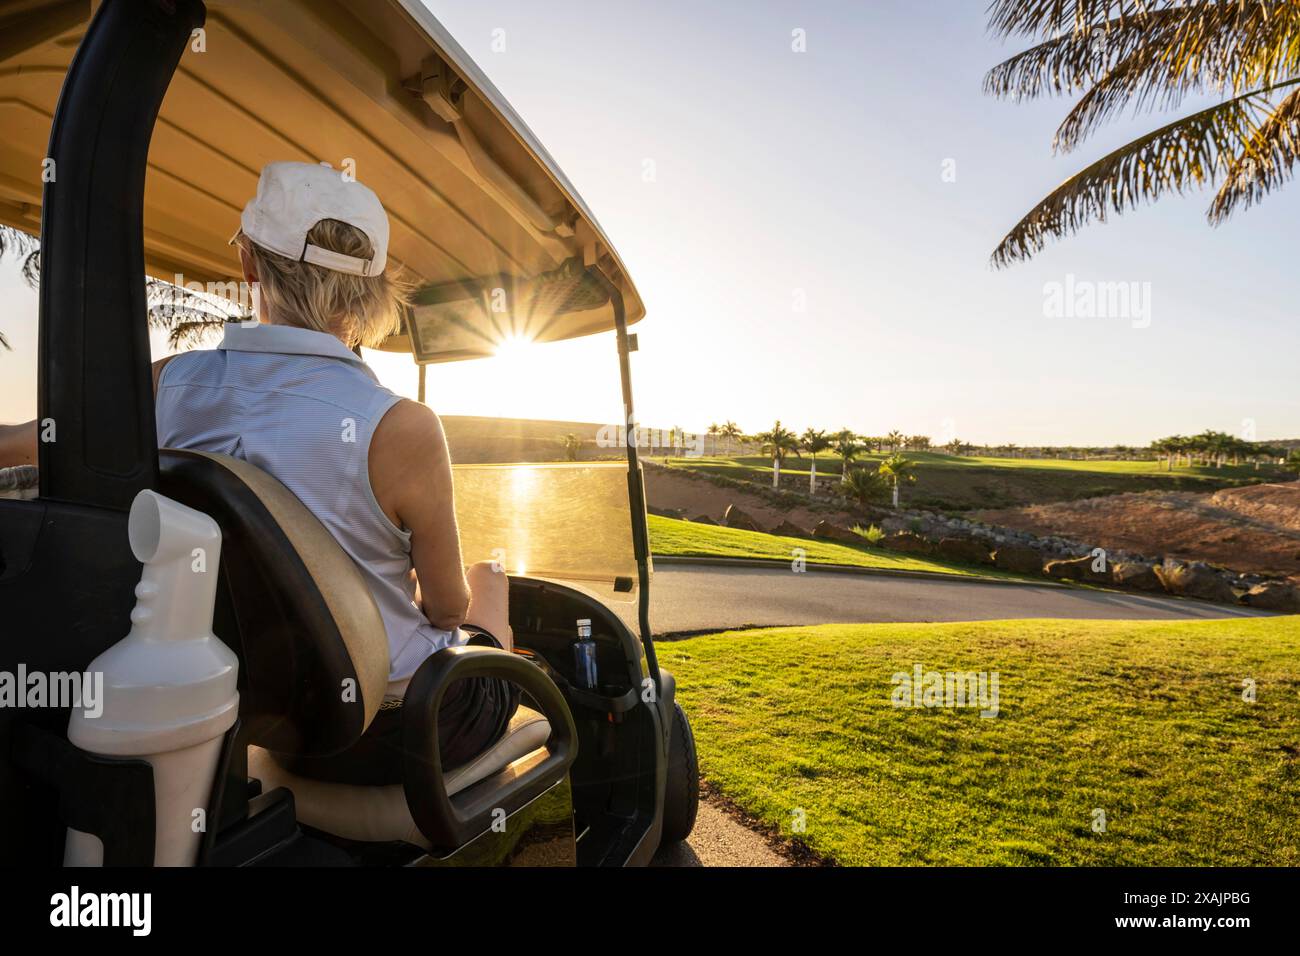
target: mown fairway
668 536
963 482
1144 721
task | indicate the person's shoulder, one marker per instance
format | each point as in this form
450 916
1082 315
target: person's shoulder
410 419
190 359
409 428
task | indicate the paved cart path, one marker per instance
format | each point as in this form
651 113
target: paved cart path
699 597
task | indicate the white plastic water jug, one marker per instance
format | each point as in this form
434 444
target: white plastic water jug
170 685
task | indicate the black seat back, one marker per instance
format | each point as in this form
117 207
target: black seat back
291 603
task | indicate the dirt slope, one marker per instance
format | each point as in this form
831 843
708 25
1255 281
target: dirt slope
1255 528
667 489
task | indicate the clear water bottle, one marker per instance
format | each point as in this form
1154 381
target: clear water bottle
584 657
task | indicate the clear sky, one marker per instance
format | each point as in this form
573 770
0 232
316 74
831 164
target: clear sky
820 176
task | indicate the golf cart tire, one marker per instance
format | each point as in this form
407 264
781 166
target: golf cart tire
682 791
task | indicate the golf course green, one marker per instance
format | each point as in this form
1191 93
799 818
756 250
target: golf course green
1114 743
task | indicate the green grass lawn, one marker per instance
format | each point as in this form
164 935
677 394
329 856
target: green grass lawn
1144 721
668 536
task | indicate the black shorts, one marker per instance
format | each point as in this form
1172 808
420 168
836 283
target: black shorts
474 715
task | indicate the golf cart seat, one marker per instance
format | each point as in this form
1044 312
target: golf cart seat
314 670
381 814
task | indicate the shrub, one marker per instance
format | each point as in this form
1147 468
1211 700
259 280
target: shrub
873 534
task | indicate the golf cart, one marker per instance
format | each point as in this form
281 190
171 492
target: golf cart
134 132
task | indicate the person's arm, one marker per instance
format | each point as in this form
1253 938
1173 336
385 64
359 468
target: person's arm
18 444
410 473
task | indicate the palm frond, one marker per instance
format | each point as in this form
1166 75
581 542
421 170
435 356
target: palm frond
1190 151
1207 47
16 243
186 315
1050 17
1071 62
26 248
1264 164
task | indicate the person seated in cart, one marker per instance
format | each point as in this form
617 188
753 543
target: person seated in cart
290 395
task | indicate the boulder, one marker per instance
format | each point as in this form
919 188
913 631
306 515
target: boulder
703 519
1135 574
1077 569
833 532
736 518
907 543
1197 580
1274 596
963 551
1018 558
789 529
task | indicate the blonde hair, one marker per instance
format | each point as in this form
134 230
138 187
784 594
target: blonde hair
360 310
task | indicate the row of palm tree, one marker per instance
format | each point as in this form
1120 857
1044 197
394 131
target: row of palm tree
1215 448
729 432
839 441
1209 447
863 484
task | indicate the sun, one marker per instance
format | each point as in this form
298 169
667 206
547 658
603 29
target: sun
513 348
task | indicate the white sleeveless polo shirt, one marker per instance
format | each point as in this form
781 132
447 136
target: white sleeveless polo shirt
301 406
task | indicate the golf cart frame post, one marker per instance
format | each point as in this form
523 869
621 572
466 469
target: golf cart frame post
93 327
635 478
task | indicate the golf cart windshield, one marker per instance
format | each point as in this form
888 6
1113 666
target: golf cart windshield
565 521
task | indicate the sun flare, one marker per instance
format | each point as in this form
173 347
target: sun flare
514 347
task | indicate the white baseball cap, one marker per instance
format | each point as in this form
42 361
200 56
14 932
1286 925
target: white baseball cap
292 197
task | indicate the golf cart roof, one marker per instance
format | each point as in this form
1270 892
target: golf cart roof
499 242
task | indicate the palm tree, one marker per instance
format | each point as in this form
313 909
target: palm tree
1164 447
731 432
778 443
186 315
572 445
897 470
865 486
1153 53
814 442
894 440
714 429
847 446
